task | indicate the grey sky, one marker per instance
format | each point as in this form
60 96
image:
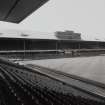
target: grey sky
84 16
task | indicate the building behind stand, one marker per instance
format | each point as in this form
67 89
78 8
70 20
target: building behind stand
68 35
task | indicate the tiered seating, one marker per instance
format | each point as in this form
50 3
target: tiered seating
21 89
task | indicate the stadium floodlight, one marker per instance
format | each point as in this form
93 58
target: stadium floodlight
16 10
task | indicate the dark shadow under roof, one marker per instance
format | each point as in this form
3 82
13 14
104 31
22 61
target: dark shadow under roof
16 10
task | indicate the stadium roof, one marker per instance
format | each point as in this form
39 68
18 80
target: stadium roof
16 10
27 34
40 36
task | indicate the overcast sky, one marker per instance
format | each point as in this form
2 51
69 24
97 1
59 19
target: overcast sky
83 16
